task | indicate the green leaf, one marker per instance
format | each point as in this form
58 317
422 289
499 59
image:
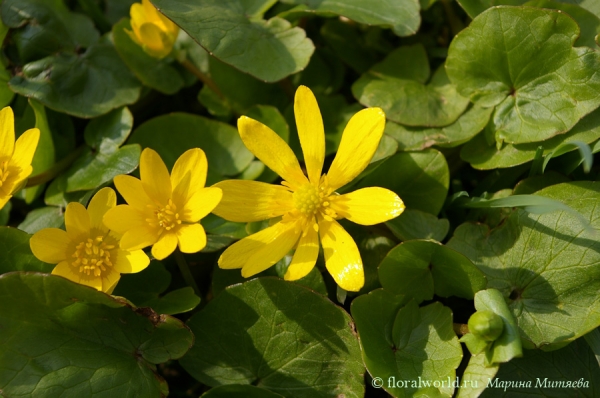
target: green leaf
152 72
417 269
403 17
541 85
348 44
421 179
546 374
5 213
269 50
593 340
16 254
483 156
83 85
535 183
408 344
239 391
417 224
544 265
45 27
463 129
147 289
401 86
62 338
476 376
171 135
272 340
43 217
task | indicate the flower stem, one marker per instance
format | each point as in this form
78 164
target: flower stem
56 169
185 272
202 77
456 24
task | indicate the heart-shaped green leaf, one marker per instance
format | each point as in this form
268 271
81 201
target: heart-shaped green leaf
17 256
417 224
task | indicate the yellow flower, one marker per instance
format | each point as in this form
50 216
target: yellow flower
163 211
15 157
88 252
154 32
308 206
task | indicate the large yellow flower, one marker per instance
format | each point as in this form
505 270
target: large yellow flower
15 157
308 206
163 211
88 252
154 32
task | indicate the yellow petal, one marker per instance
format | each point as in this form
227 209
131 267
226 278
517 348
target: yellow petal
305 256
50 245
130 262
248 201
342 258
368 206
24 150
104 200
133 192
154 40
122 218
358 145
310 131
191 237
271 149
237 255
201 203
189 174
155 177
138 238
272 250
66 270
7 133
77 222
109 280
165 246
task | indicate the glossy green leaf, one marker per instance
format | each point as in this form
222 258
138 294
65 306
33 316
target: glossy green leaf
463 129
417 269
417 224
402 87
171 135
403 17
483 156
83 85
62 338
43 217
475 378
239 391
269 50
16 254
348 44
550 374
5 213
420 178
271 341
45 27
44 156
544 265
407 344
527 67
154 73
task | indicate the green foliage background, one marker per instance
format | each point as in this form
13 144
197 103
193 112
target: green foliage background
493 111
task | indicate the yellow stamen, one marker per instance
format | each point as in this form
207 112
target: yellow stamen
166 217
3 172
92 256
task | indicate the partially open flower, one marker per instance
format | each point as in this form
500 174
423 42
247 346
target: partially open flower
15 157
154 32
88 252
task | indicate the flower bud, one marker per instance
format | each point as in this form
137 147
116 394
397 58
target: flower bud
154 32
486 325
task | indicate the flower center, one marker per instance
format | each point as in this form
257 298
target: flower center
307 199
168 217
3 172
92 256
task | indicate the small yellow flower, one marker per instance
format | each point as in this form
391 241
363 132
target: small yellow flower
307 206
15 157
88 252
163 211
154 32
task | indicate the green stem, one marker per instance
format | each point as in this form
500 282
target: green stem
456 24
56 169
185 272
202 77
